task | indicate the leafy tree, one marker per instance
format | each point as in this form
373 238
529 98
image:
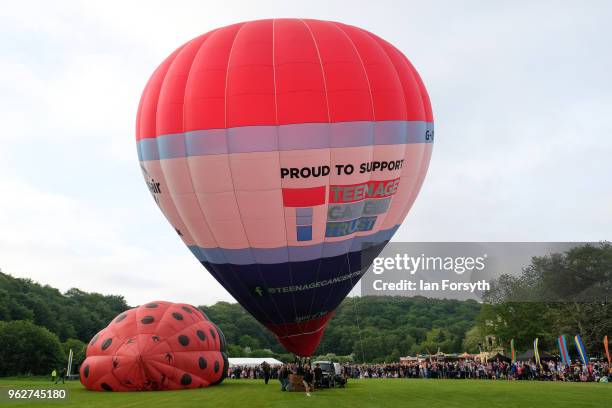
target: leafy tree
28 349
234 350
75 314
78 350
248 341
562 293
262 353
473 338
438 339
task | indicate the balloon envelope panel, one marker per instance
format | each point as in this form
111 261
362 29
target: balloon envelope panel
157 346
277 149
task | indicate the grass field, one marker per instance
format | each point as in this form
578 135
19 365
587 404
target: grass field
391 393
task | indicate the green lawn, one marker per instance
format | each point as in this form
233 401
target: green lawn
391 393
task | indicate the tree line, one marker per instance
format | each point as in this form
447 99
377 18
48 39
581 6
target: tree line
39 324
561 293
564 293
369 328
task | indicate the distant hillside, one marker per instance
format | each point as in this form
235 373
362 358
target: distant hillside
371 328
71 315
572 290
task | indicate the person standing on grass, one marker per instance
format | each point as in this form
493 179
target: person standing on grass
318 375
307 379
62 376
266 371
53 375
283 377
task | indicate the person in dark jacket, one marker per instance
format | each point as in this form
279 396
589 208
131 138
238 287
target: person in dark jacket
318 375
266 371
62 376
307 380
283 377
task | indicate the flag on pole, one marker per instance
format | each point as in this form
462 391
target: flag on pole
581 349
565 358
512 351
605 342
536 352
69 368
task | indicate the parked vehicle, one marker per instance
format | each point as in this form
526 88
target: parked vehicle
331 373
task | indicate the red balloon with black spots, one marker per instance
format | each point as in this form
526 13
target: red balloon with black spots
156 346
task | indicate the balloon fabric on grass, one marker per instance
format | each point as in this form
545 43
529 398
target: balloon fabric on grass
157 346
276 149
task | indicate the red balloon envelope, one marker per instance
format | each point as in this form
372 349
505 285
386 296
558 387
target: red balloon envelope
277 149
158 346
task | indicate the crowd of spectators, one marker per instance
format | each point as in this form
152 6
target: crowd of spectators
250 372
462 369
491 370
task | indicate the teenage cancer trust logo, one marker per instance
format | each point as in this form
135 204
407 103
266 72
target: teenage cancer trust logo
351 208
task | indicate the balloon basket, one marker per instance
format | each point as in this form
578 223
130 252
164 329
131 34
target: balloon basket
296 383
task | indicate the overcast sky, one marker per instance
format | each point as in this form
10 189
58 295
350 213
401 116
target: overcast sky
521 93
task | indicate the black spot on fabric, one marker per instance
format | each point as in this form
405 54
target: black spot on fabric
120 318
224 371
151 305
107 343
147 320
201 362
86 371
216 367
93 341
201 335
212 333
184 340
177 316
188 310
106 387
186 379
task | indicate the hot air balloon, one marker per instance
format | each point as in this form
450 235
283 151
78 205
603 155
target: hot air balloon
277 149
157 346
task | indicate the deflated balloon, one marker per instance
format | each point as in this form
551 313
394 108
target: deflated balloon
276 149
157 346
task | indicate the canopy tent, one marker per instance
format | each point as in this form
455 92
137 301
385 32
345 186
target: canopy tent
252 361
529 355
